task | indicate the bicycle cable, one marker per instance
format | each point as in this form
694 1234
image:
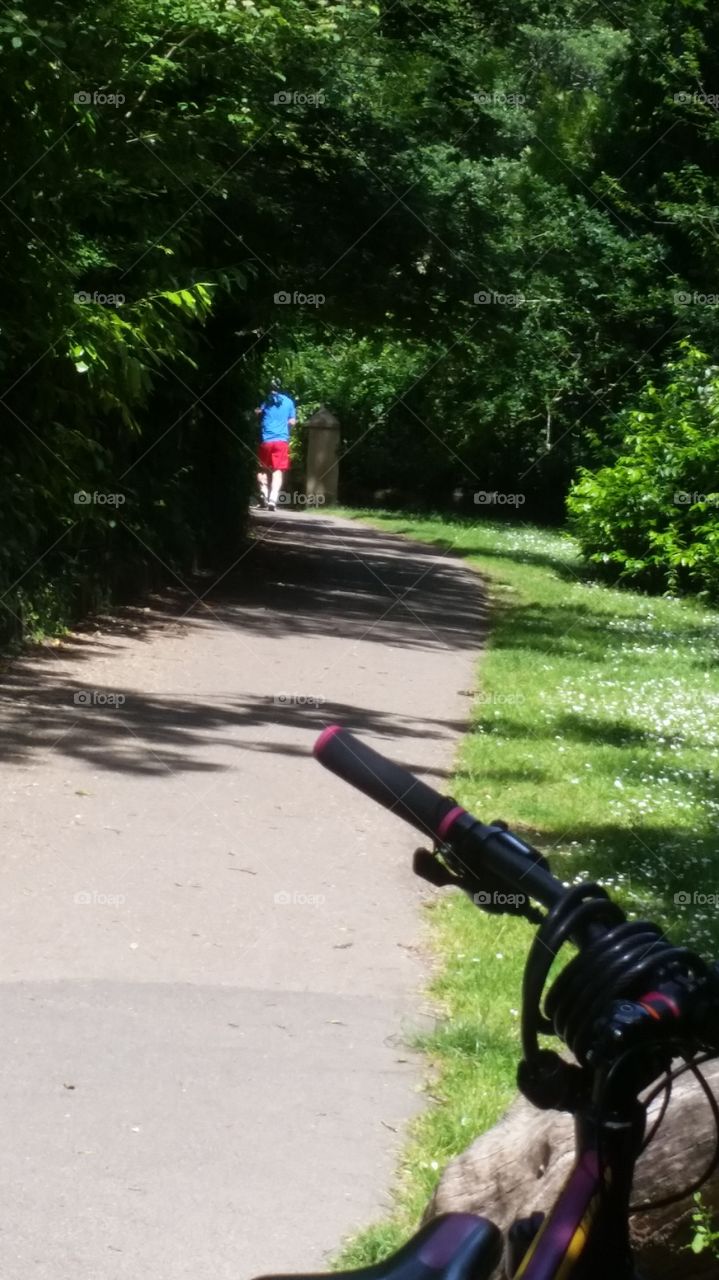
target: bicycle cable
665 1086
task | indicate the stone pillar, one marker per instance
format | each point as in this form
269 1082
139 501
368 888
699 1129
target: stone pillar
323 442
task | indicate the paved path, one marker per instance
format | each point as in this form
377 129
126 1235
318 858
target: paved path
200 1079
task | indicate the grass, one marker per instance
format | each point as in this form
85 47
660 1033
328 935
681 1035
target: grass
595 733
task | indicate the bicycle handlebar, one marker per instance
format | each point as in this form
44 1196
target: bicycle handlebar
493 856
385 782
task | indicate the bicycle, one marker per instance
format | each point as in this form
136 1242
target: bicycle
626 1005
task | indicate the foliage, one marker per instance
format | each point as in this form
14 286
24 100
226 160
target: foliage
504 218
363 380
654 512
706 1235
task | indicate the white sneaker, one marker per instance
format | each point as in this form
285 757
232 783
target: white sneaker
271 506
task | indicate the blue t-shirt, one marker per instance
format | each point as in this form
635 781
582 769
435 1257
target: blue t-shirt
277 410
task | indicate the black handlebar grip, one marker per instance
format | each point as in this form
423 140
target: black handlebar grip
387 783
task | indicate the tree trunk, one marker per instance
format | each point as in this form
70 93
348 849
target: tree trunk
520 1165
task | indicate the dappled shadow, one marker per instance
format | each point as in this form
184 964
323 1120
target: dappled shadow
149 734
103 633
570 567
301 576
311 576
572 627
597 730
572 630
662 871
529 774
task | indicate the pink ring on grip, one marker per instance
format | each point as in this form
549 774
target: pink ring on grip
324 738
448 820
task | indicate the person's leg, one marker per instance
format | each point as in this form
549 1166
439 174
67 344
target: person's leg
262 482
280 464
275 487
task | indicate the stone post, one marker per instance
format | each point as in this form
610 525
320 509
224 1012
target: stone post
323 442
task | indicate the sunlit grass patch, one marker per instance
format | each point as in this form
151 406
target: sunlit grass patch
595 733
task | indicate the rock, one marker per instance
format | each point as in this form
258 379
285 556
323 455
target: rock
519 1166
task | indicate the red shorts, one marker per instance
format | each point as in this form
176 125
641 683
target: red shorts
274 455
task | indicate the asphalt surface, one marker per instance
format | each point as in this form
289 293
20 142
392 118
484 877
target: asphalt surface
210 947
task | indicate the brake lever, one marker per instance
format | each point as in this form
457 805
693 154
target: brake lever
428 867
487 892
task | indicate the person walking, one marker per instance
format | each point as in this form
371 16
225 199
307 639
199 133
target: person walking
277 415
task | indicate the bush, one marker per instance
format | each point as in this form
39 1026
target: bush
654 512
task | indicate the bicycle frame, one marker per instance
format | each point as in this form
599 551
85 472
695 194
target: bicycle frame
585 1235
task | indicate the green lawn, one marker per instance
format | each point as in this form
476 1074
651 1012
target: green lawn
595 732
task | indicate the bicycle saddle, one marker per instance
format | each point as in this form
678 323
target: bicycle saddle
454 1246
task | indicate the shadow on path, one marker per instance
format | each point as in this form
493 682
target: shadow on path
300 576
